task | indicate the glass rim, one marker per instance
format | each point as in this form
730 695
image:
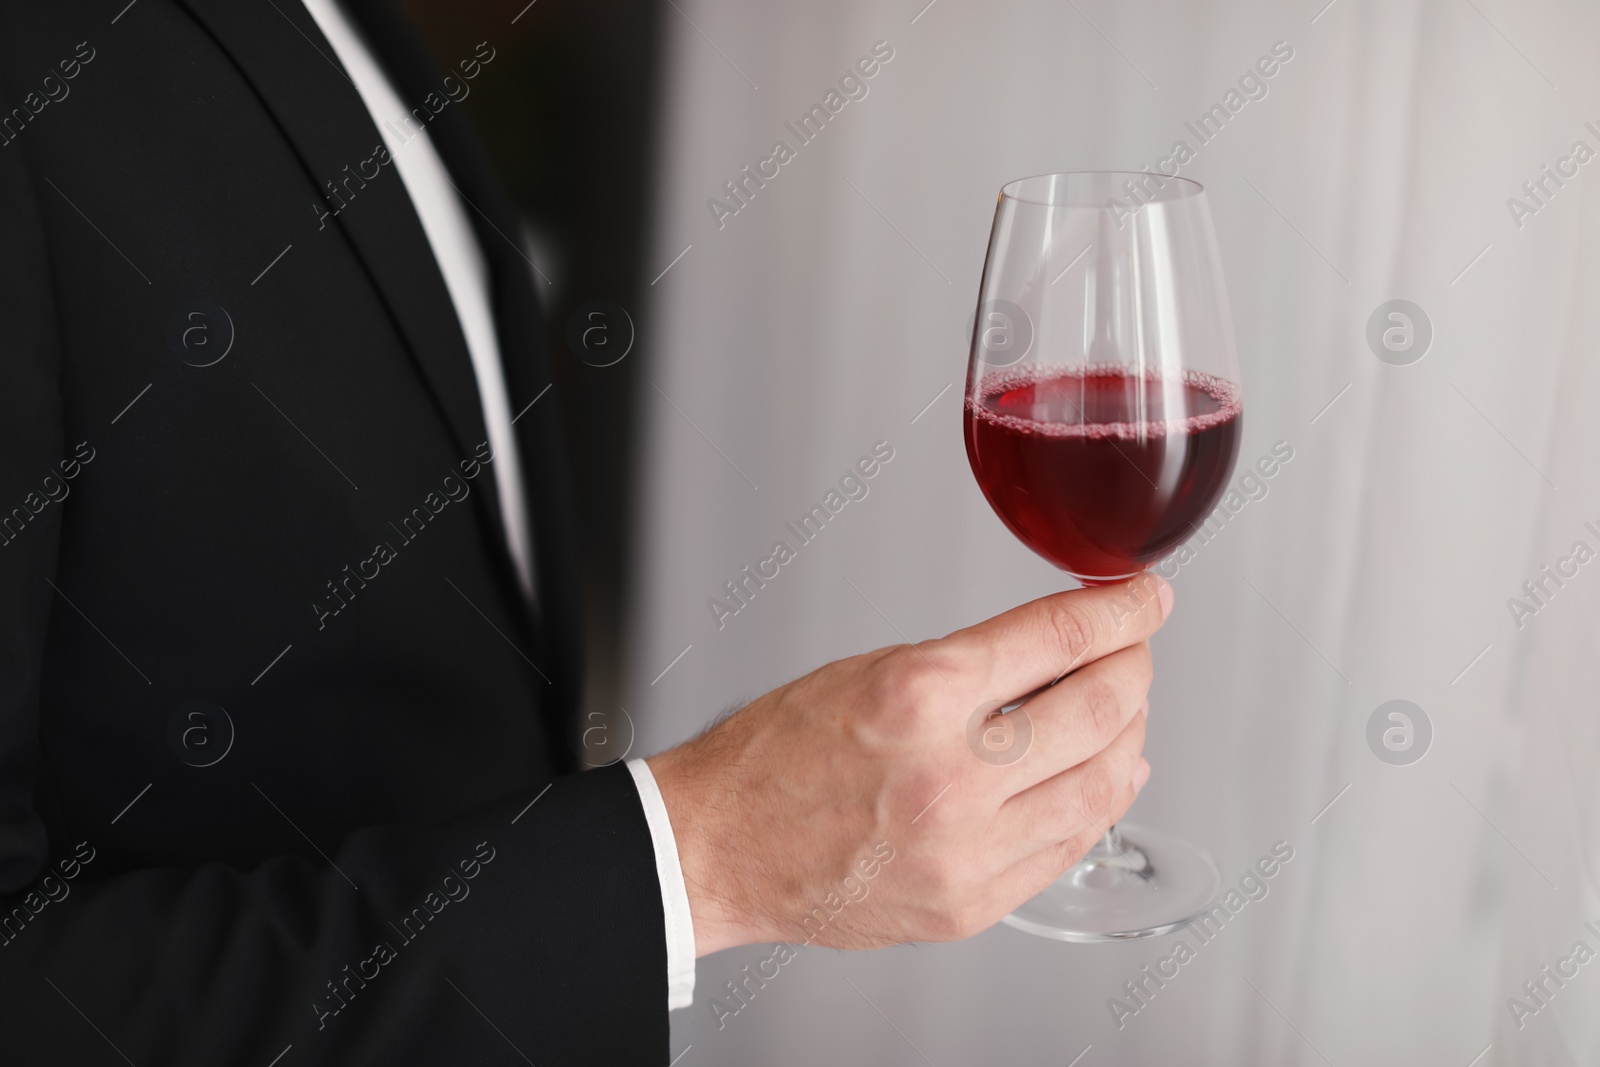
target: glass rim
1011 190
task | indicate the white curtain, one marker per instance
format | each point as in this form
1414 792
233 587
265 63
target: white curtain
833 307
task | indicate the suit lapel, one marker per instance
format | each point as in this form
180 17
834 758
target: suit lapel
276 44
525 363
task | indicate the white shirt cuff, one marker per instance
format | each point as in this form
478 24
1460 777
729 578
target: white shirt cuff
674 894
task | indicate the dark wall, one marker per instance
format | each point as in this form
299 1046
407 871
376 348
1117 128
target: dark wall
566 111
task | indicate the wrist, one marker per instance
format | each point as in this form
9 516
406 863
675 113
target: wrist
720 894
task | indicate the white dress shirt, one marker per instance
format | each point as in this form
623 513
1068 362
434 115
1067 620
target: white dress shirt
466 276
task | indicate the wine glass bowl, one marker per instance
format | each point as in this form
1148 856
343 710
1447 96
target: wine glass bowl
1102 421
1087 467
1102 408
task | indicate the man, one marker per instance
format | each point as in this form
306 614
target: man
287 620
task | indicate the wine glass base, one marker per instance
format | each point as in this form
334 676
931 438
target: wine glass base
1137 883
1089 581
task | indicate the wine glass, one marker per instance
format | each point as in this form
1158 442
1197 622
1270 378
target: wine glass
1102 421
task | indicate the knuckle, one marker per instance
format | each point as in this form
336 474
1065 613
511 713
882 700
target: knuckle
904 682
1071 628
1070 851
946 893
960 918
1101 707
945 925
1095 791
973 917
946 664
957 901
894 670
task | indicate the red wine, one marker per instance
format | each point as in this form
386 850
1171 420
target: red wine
1100 471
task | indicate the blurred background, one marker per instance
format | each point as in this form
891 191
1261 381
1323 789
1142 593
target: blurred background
1386 560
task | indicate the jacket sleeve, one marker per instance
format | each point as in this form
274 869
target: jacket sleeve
534 921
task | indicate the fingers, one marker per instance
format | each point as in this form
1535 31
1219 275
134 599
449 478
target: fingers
1082 800
1028 876
1037 643
1081 714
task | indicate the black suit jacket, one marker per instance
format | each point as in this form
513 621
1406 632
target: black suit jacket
272 709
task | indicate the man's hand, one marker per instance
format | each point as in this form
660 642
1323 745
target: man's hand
776 807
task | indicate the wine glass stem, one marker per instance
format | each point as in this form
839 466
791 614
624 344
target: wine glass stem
1108 848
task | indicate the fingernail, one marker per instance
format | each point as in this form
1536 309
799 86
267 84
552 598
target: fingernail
1141 774
1165 594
